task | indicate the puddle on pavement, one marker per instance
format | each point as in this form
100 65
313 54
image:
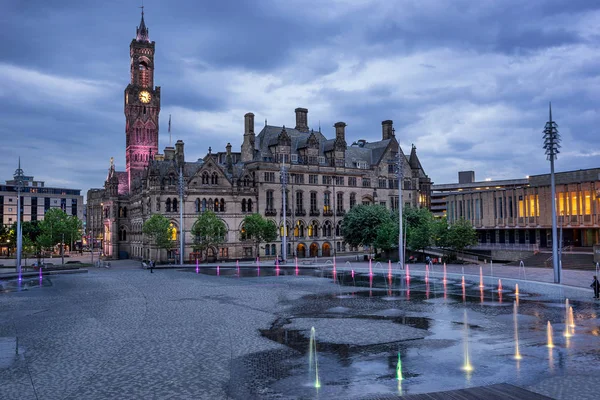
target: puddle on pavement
253 272
429 364
15 285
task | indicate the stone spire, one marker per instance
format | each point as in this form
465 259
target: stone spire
142 31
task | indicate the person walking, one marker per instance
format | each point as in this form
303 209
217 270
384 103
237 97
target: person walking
596 286
151 266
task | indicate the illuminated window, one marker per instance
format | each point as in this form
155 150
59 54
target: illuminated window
521 207
173 232
574 203
587 203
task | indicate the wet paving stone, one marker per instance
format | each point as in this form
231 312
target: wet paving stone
177 334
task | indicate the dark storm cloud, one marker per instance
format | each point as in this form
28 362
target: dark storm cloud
467 82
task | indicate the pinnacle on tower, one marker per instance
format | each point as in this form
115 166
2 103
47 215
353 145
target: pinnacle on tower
142 31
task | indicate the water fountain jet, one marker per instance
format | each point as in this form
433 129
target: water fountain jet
467 366
399 369
516 326
444 280
549 335
312 358
499 285
481 277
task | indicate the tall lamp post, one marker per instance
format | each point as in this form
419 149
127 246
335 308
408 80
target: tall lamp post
18 177
552 146
181 230
399 171
284 180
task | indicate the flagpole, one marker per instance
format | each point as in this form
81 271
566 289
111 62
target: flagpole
169 130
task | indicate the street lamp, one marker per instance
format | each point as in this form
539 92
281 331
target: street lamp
18 177
284 181
181 230
551 145
399 171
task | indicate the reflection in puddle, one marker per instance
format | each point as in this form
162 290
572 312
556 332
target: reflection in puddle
429 364
15 285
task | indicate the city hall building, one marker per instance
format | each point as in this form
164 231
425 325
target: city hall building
327 177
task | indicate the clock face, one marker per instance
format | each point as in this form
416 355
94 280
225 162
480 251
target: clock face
145 96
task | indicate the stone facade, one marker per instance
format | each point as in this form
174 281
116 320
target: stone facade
326 178
522 214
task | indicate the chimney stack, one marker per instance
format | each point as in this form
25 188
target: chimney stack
301 119
248 123
248 143
387 129
340 130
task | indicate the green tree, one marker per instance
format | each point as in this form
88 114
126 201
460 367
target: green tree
361 225
208 230
440 232
56 227
159 229
258 229
31 231
461 235
5 237
419 228
387 235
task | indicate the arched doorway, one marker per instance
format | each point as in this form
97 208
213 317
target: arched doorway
212 255
326 250
301 250
314 250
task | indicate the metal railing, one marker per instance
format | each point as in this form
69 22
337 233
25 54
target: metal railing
506 246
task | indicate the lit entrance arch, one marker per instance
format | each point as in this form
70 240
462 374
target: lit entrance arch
301 250
326 252
314 250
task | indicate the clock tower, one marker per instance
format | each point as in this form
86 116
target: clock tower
142 106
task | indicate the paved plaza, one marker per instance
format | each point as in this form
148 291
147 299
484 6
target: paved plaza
126 333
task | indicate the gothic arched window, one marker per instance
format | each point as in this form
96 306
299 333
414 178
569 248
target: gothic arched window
203 205
222 205
175 203
197 205
243 205
249 205
214 179
205 178
327 229
168 204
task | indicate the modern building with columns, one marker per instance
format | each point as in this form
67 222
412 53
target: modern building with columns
519 211
327 177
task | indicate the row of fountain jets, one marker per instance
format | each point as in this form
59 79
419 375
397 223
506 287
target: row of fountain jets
467 365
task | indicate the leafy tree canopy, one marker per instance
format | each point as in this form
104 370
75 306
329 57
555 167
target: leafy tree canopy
362 223
258 229
419 228
159 229
461 235
55 224
208 230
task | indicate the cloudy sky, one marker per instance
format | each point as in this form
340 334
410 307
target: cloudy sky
468 82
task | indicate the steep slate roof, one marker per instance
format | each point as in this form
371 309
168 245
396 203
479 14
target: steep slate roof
268 136
378 149
370 153
414 160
